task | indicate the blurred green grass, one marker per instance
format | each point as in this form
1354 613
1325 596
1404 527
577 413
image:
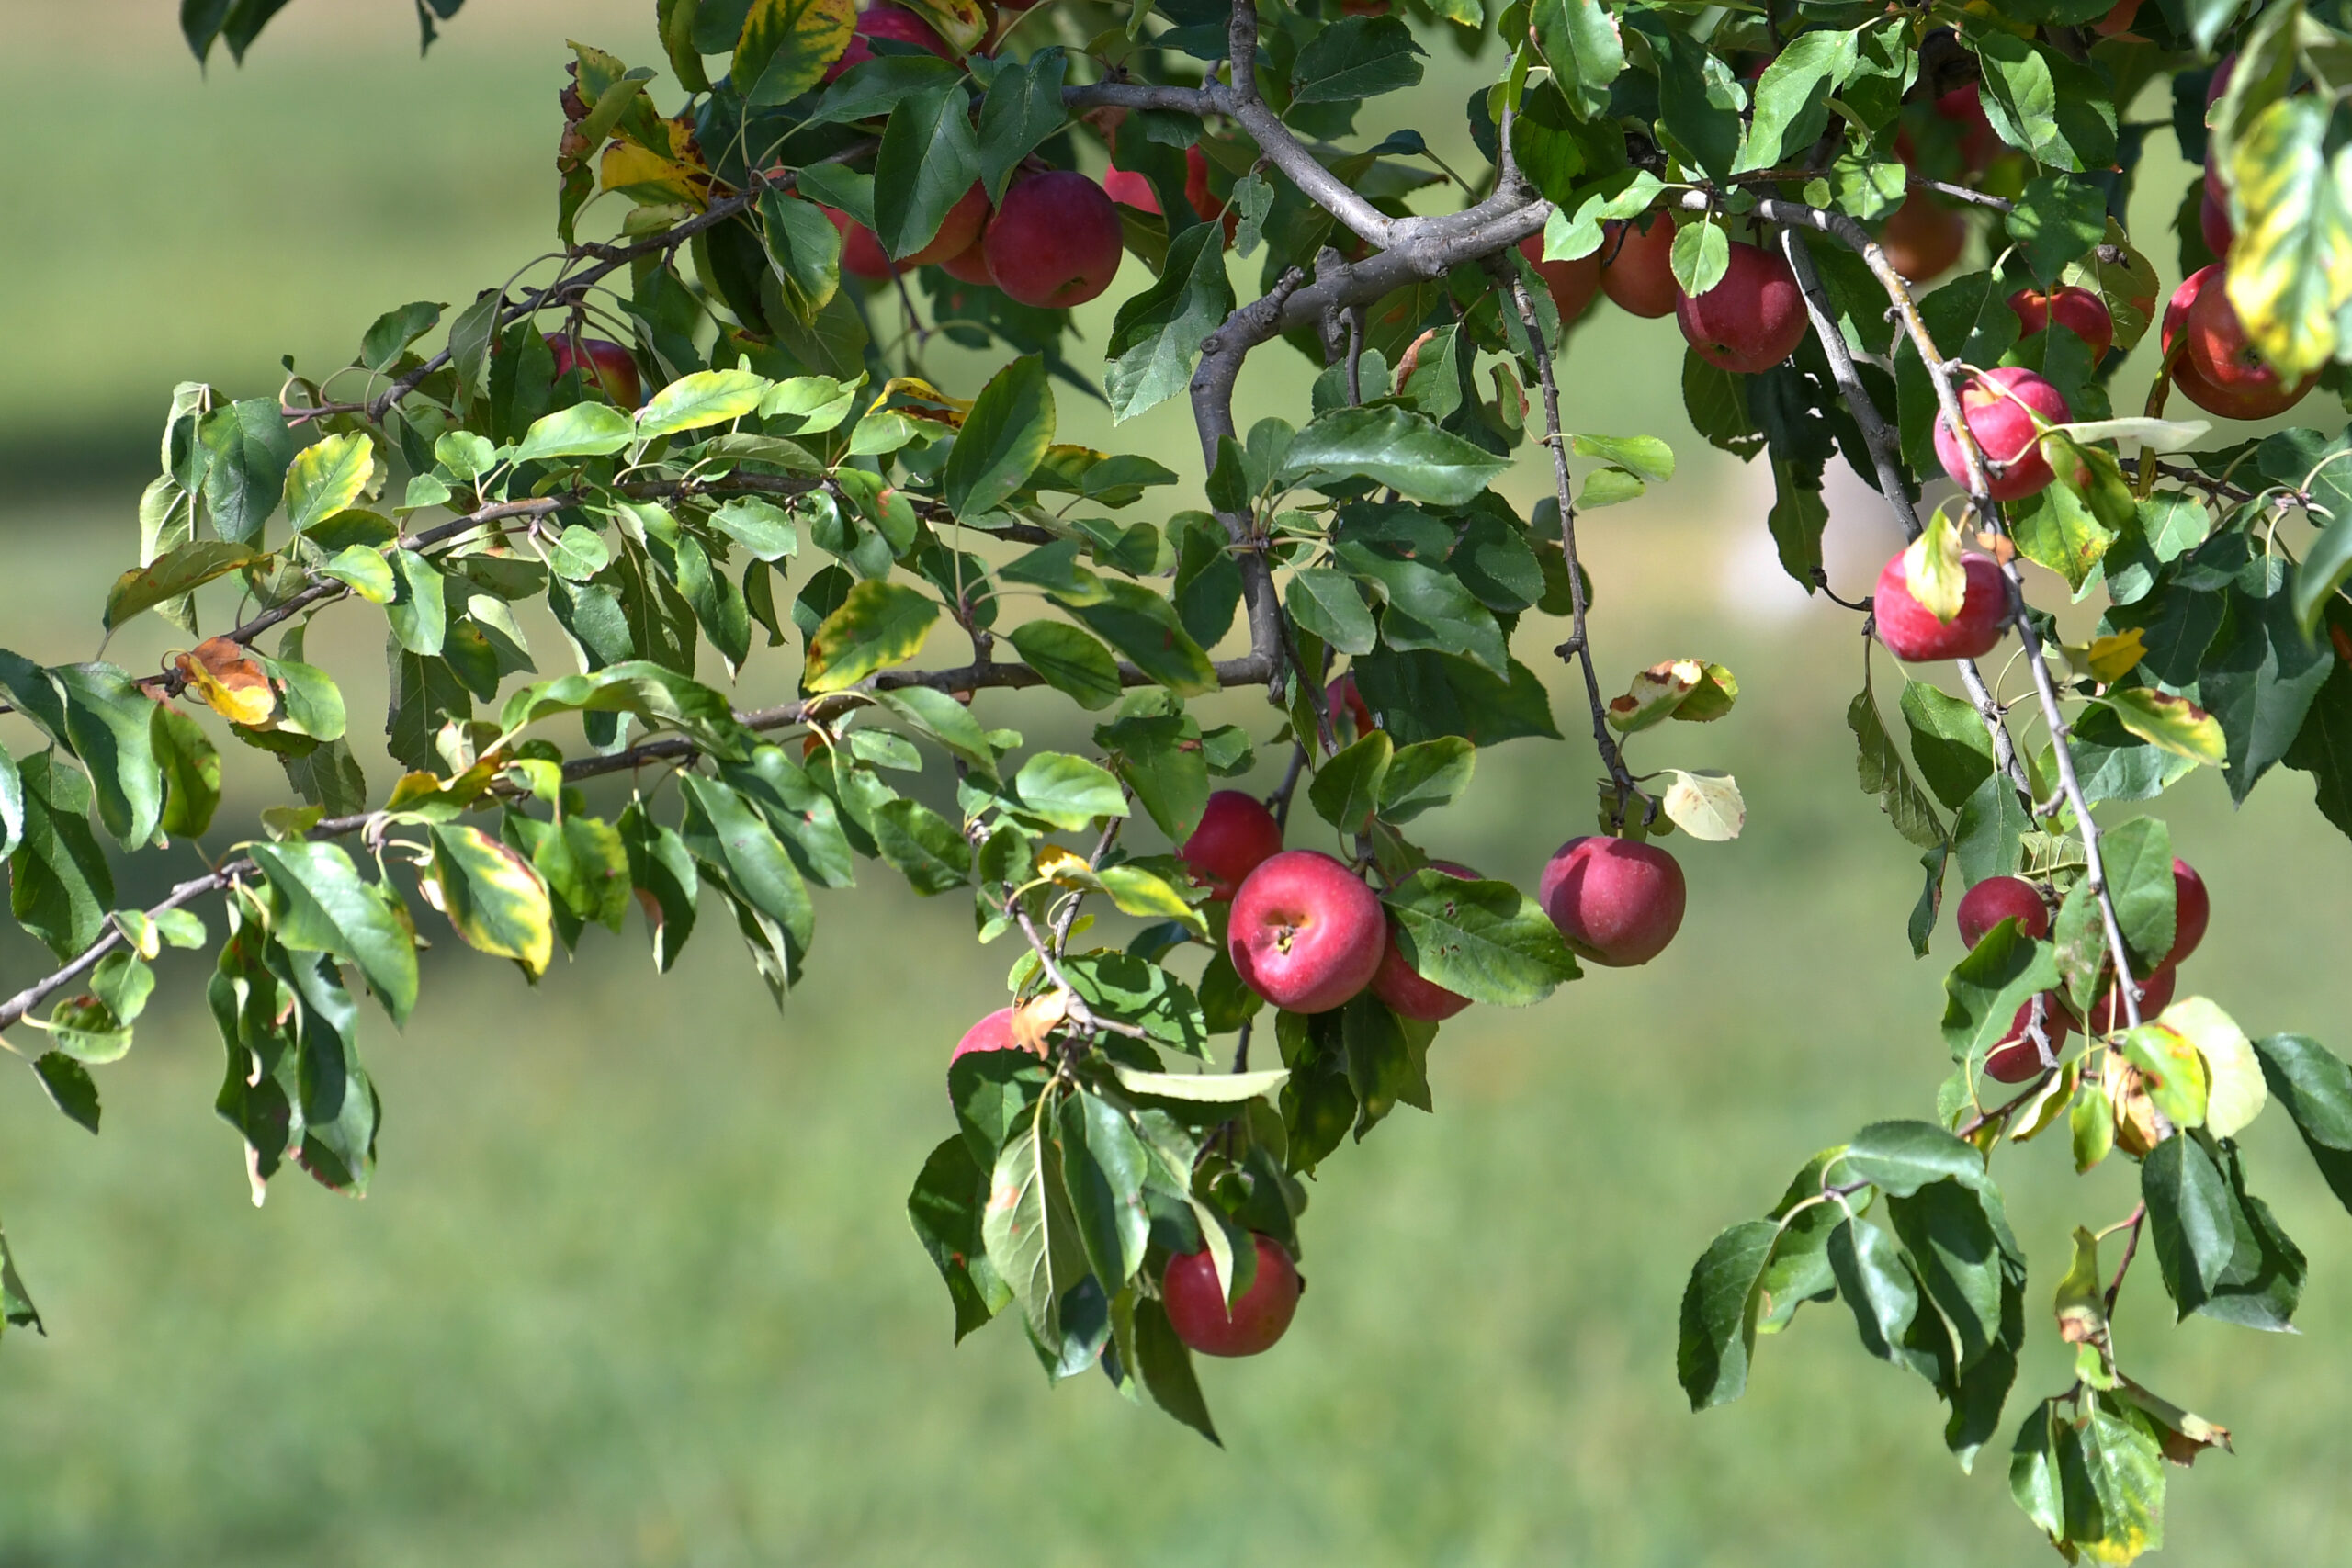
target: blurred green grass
635 1286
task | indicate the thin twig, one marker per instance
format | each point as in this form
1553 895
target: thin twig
2135 1225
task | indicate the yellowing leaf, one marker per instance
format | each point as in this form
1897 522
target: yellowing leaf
2291 268
2113 657
1705 804
785 46
1932 569
961 22
2235 1092
226 680
492 897
2174 723
326 478
878 624
2171 1071
649 177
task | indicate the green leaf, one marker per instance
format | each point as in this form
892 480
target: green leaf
1986 988
652 691
928 850
1645 455
70 1089
1068 790
2057 221
728 834
1325 604
323 906
59 885
1486 941
945 1208
1954 1245
1901 1158
1103 1170
2316 1088
704 399
492 897
109 722
1700 255
804 252
785 46
1879 768
1423 776
393 331
1163 760
1167 1369
878 624
250 448
1356 58
1949 741
1793 96
191 769
1017 1226
1878 1284
583 430
1392 446
1022 109
1159 330
1004 438
1719 1311
419 611
1580 44
365 571
1069 661
328 477
1428 608
2291 267
166 577
2060 112
1346 790
927 163
1145 627
2221 1252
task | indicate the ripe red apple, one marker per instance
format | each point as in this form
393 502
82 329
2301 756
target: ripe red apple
1572 283
1398 984
2118 21
959 232
1923 237
1637 265
2230 402
1998 898
970 264
1130 190
602 364
1979 143
1752 319
2226 358
1910 630
2000 405
1618 902
2192 911
1054 242
993 1032
2155 995
1196 1308
862 254
886 20
1235 835
2016 1059
1307 934
2076 308
1346 705
2214 223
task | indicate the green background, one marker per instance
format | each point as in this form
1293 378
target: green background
635 1285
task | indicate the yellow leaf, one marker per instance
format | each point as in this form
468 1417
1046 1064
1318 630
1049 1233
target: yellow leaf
961 22
649 178
1932 569
226 680
2117 655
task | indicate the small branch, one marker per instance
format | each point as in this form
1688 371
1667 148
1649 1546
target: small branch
2001 1112
1964 193
1279 802
1578 640
2135 1225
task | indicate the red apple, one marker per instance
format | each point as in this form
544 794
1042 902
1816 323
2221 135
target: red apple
970 264
1572 283
1054 242
1346 705
2230 402
1752 319
2226 359
1636 266
1197 193
1998 898
1618 902
862 254
993 1032
2016 1059
1130 190
1235 835
1307 934
2155 995
2192 910
2117 21
1196 1308
606 366
1979 143
1398 984
1923 237
2213 224
886 20
2000 406
2076 308
959 232
1910 630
